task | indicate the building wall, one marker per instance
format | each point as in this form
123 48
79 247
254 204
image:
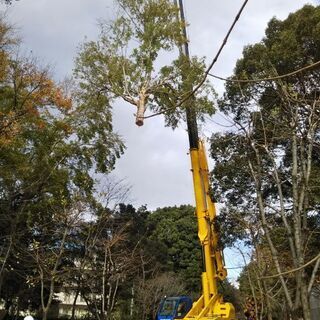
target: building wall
64 308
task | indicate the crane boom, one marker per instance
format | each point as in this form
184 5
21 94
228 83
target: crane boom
210 305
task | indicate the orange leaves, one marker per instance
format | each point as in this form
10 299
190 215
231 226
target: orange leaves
3 64
64 126
40 91
26 92
30 100
61 100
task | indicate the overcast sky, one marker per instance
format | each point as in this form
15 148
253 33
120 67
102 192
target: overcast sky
155 163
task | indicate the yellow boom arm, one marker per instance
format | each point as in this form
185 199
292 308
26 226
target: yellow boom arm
210 305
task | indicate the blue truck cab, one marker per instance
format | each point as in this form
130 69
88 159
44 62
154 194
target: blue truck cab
174 308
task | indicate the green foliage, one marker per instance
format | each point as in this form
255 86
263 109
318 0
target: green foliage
175 230
124 63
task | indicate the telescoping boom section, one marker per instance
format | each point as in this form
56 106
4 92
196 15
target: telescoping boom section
210 305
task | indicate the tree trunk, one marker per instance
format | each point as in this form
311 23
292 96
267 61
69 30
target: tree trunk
141 108
132 302
140 115
73 310
305 299
5 261
103 295
46 306
45 313
274 253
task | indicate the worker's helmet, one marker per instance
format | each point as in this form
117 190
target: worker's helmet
28 318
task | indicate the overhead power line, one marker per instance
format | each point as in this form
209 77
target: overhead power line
308 67
214 60
224 42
